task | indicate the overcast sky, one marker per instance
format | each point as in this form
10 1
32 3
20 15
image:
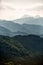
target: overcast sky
14 9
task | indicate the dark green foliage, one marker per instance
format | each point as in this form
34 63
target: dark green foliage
33 42
24 50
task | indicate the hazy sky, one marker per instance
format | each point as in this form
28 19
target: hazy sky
13 9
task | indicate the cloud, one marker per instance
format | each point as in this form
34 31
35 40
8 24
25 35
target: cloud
13 9
23 0
23 3
38 8
6 6
10 8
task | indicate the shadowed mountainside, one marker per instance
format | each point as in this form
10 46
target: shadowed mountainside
21 50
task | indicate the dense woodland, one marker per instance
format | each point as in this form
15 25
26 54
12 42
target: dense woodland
21 50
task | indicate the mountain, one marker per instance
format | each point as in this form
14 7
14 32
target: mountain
22 29
12 49
33 29
30 20
33 42
25 50
14 27
4 31
19 33
21 44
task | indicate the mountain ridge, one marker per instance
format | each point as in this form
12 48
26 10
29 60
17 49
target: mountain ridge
22 28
